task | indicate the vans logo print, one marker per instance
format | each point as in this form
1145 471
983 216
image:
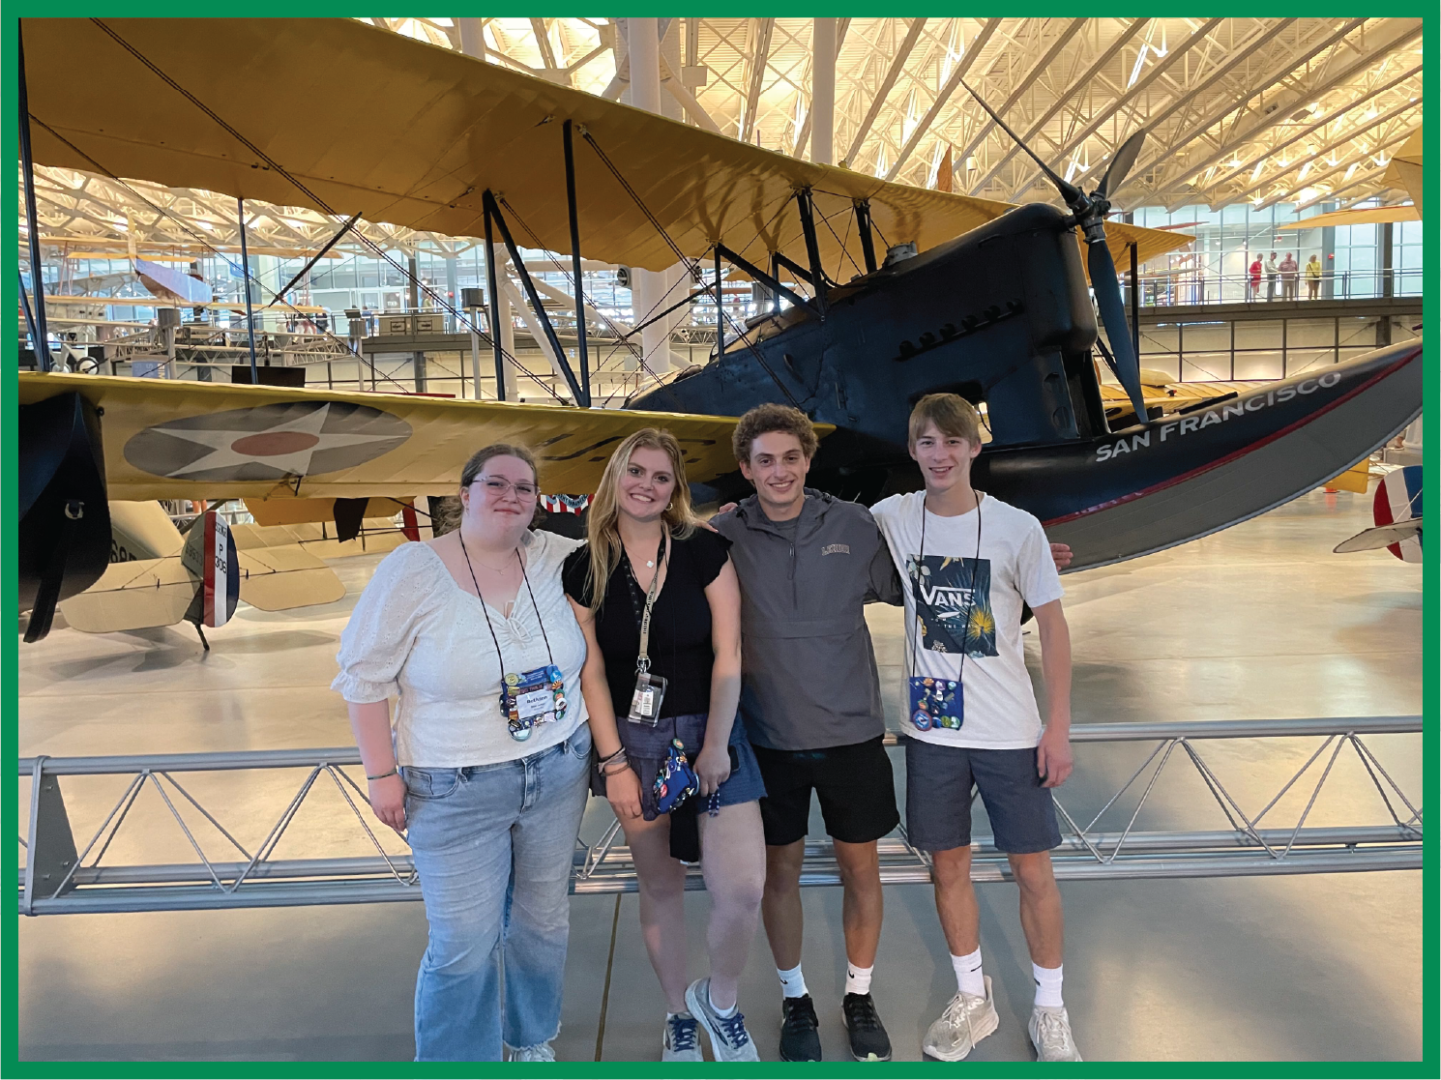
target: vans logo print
836 549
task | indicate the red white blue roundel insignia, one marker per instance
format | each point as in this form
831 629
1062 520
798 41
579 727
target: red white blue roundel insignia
267 442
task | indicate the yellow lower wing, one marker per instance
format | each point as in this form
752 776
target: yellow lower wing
188 440
377 536
133 596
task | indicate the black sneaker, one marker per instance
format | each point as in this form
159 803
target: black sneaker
869 1041
800 1030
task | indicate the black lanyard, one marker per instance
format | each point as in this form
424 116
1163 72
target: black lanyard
485 611
917 585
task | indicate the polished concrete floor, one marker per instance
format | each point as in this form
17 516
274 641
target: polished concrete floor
1259 621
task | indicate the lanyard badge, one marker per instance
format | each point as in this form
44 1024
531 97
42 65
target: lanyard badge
645 702
531 697
937 703
934 702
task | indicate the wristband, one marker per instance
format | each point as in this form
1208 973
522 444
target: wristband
381 776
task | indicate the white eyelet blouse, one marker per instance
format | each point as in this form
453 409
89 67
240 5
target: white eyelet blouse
417 635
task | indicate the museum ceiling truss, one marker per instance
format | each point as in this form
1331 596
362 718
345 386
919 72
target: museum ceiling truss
290 827
1258 110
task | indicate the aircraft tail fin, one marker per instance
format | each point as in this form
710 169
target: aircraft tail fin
1398 500
209 554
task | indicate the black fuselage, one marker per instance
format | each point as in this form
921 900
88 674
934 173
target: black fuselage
1000 315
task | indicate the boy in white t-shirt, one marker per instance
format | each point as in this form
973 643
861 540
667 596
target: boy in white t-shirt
969 563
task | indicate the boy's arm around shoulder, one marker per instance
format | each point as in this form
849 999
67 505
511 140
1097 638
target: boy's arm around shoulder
884 585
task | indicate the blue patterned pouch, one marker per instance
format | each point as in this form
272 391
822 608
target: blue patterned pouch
676 781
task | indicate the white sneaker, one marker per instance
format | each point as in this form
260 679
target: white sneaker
539 1052
729 1039
680 1042
1050 1032
967 1020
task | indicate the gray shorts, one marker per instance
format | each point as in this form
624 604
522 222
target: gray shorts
940 781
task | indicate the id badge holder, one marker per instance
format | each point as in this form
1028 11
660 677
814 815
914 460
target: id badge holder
533 697
645 703
937 703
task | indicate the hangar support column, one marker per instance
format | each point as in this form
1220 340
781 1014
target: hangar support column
648 288
823 91
472 43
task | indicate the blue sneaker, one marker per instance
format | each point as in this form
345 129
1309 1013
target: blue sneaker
729 1039
680 1042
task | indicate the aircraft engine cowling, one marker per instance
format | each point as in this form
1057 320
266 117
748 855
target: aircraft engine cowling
64 535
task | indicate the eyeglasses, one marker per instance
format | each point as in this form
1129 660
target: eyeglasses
499 485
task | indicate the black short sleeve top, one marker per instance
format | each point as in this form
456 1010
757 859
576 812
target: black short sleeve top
680 622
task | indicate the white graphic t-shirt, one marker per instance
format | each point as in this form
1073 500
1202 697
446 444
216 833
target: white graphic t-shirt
970 604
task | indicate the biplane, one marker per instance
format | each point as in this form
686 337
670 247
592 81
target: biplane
1397 510
159 576
973 296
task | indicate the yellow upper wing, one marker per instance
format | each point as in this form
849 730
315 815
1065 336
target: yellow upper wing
189 440
408 133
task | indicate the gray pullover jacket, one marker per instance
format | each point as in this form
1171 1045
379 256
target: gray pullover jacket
810 678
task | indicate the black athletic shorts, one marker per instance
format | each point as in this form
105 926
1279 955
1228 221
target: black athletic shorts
854 784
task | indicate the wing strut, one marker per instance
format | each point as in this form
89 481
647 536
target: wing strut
813 249
27 163
492 210
245 277
494 308
863 226
575 261
760 275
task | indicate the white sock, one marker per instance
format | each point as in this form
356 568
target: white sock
719 1011
858 979
969 977
793 983
1048 986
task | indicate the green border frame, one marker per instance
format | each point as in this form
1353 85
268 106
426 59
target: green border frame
10 1065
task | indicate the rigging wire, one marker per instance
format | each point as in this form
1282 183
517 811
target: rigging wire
690 267
202 237
284 173
624 339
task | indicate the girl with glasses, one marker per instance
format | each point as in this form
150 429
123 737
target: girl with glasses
483 763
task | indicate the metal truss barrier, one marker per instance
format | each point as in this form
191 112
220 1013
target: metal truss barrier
57 878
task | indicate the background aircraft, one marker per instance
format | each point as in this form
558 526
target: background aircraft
994 304
1397 510
159 577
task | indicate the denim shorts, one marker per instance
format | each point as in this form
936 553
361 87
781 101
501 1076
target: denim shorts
940 781
645 749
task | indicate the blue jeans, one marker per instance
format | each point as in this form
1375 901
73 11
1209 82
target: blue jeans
493 845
